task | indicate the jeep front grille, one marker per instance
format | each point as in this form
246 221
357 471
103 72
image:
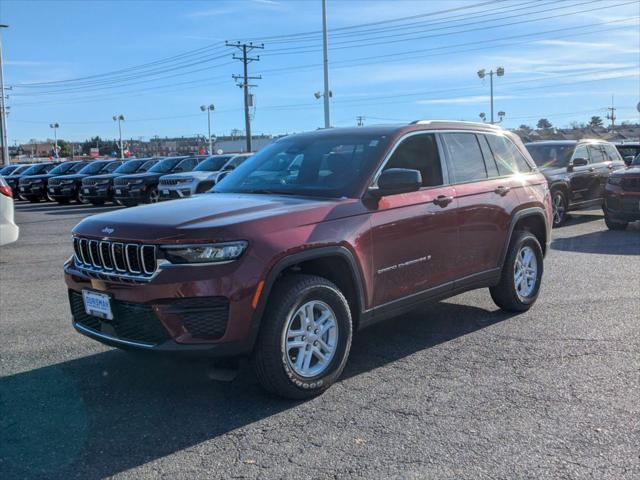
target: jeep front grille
106 258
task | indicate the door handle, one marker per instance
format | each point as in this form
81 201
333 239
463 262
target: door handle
502 190
442 200
591 169
610 166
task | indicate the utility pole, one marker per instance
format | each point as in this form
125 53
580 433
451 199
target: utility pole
55 127
612 115
325 65
483 73
360 120
244 79
120 119
3 110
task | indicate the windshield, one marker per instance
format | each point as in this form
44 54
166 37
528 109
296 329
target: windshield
20 170
92 168
316 165
551 156
110 167
129 167
36 169
165 166
7 170
65 168
212 164
235 163
147 165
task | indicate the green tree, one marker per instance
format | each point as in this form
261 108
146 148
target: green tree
543 124
525 128
595 121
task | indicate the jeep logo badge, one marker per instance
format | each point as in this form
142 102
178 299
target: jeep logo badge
108 230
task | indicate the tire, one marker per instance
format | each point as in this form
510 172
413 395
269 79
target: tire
80 198
275 365
127 203
33 199
96 202
559 204
614 224
63 201
153 196
506 295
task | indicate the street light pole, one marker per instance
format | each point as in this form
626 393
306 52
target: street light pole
120 119
483 73
209 109
325 54
3 110
55 127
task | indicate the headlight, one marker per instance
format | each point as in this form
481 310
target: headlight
205 253
66 182
615 180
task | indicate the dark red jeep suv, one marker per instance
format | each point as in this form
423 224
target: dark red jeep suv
316 236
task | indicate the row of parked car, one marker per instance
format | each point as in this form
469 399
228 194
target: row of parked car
127 182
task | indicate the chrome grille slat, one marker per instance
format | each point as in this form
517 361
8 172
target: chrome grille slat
115 260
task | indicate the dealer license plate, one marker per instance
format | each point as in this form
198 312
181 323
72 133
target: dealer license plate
97 304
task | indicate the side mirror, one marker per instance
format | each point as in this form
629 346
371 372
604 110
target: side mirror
577 162
397 180
628 160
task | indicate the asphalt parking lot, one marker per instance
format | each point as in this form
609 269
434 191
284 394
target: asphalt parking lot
455 390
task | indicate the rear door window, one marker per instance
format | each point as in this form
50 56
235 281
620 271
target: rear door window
489 161
466 163
611 153
419 152
508 158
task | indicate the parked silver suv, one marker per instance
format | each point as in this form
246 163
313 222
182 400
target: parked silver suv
201 178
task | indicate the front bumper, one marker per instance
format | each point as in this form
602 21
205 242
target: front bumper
175 193
137 193
60 192
32 190
621 205
182 309
97 192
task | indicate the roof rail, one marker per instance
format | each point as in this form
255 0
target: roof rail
461 122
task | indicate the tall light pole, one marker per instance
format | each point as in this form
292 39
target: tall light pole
120 119
209 109
325 63
3 109
55 127
483 73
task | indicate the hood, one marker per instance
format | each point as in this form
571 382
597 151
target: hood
73 176
198 175
44 176
215 217
627 172
105 175
135 176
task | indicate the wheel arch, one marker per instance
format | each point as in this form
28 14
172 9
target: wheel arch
532 219
336 263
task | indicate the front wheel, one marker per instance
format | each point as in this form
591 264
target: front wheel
96 202
521 274
33 199
153 196
304 339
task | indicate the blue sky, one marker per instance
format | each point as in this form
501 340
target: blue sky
563 60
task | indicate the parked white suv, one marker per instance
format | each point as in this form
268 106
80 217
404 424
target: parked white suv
8 229
201 178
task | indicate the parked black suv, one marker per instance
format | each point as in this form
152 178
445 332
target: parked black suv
130 190
577 172
98 189
65 188
34 187
13 178
32 171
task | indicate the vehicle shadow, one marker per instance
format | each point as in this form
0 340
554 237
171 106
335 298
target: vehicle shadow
102 414
625 242
71 209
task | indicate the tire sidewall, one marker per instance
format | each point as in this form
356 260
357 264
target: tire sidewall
529 240
335 300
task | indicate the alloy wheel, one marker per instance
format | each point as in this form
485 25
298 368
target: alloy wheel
525 275
559 208
311 338
154 195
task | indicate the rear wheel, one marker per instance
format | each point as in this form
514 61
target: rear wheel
304 339
521 274
614 224
559 203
